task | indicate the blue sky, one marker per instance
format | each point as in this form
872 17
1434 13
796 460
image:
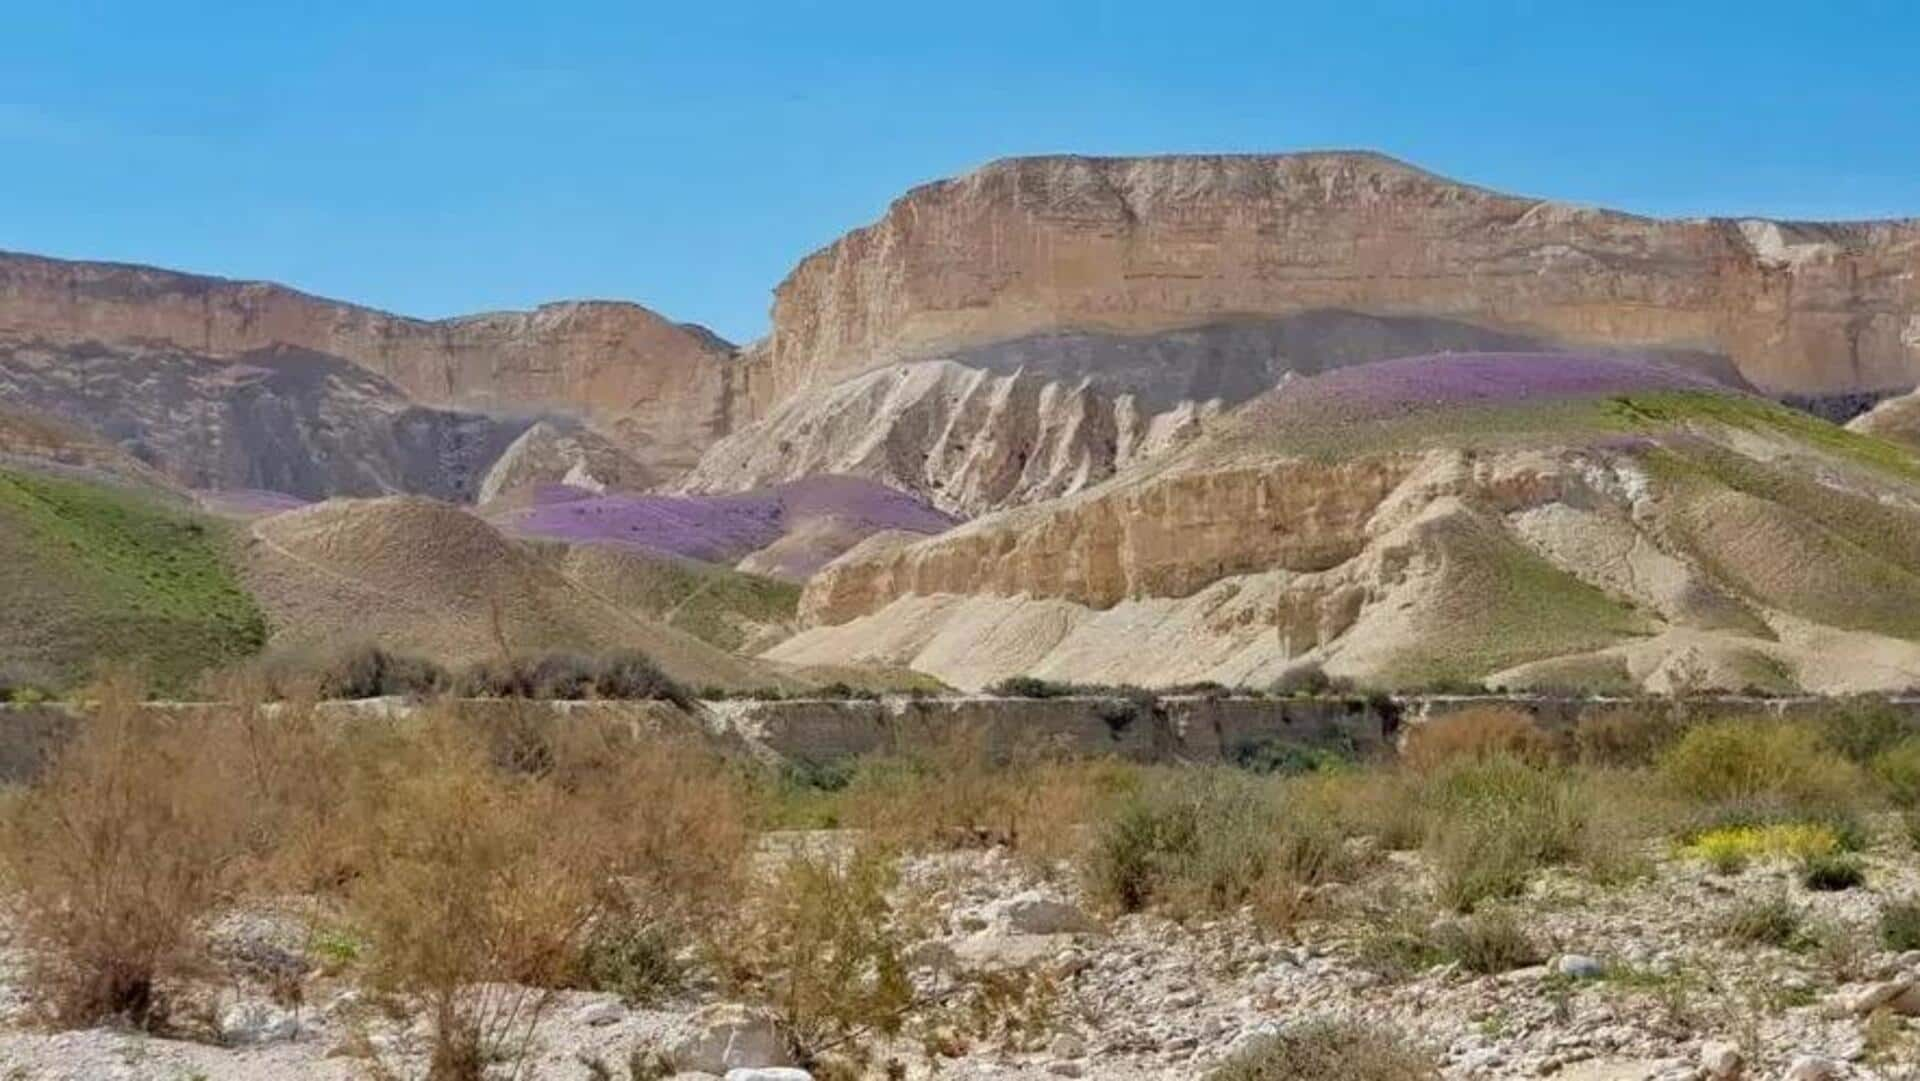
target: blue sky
438 158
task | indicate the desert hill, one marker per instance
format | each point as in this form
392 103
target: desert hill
278 418
429 578
1556 520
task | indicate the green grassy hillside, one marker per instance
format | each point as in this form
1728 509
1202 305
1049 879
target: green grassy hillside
92 572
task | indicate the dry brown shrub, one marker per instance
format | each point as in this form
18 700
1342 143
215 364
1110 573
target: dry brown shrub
822 942
953 791
1627 736
476 892
116 856
1477 733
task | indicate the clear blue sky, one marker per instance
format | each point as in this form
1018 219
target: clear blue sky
454 157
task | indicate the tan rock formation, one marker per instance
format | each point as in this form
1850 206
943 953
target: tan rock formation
551 453
1646 538
658 387
965 439
1143 244
1895 418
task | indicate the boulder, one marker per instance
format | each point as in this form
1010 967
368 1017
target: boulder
1721 1060
1034 913
728 1036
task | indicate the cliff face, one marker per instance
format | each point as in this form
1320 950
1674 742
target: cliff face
964 439
1138 245
657 387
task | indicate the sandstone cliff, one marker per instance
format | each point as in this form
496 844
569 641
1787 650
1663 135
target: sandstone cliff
960 437
1134 245
658 387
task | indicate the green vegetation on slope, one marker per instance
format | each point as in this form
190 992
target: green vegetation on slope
728 609
1500 605
1818 552
92 572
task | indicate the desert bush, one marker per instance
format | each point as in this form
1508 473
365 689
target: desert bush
1205 841
639 961
1729 849
1489 942
1476 733
1383 804
1626 736
1861 728
1309 680
1762 769
1330 1049
117 855
477 892
1031 687
357 671
628 673
1897 768
1493 824
1900 924
1290 758
1771 921
621 674
820 942
1830 873
953 791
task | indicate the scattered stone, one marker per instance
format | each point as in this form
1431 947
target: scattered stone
729 1036
246 1023
1721 1060
1066 1068
1813 1068
1067 1045
1577 966
1034 913
769 1073
600 1013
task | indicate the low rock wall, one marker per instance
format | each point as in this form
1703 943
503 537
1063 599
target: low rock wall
1170 729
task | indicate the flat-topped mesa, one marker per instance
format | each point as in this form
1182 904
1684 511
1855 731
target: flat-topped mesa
658 387
1137 245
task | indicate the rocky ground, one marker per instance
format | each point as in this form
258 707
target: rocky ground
1635 981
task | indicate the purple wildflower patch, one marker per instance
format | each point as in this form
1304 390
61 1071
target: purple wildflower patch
720 528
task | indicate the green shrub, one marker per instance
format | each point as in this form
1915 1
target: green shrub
1774 921
1030 687
1900 924
821 943
1764 767
1494 823
1897 768
1831 873
1861 728
1329 1049
635 960
1489 942
1292 758
1309 680
1212 841
621 674
630 674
